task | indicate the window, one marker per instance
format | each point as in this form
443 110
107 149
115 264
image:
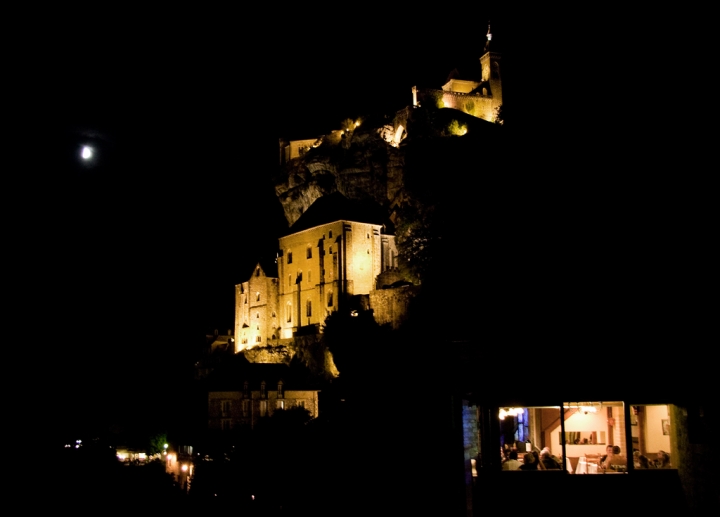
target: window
257 297
246 408
258 339
330 298
301 403
244 298
263 390
309 277
257 272
280 391
225 407
226 424
651 430
263 408
308 308
330 234
289 257
288 312
280 404
289 280
246 389
273 314
257 315
309 252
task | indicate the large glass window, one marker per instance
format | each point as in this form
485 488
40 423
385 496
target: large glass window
595 437
651 429
526 438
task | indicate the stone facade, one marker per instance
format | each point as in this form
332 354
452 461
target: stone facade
321 267
256 310
477 98
229 410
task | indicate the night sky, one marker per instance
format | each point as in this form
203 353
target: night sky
137 253
142 245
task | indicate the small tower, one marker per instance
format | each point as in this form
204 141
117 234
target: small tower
490 66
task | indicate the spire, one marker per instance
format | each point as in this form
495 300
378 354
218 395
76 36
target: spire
489 37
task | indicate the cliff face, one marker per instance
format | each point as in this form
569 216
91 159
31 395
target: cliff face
360 165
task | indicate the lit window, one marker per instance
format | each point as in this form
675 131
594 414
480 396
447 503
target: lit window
651 429
263 407
257 297
280 404
288 312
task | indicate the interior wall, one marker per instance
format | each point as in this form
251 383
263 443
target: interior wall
581 422
654 438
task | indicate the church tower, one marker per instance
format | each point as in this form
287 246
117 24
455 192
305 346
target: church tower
490 66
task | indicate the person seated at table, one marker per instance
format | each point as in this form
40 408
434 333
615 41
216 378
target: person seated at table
548 461
663 460
614 459
512 462
530 461
640 461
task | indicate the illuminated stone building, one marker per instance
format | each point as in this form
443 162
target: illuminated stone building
479 98
256 308
331 257
323 264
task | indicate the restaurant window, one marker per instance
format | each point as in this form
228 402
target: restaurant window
651 430
595 437
525 434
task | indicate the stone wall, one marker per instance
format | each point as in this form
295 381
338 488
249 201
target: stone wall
391 305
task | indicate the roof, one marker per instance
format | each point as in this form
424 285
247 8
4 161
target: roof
269 267
232 374
336 207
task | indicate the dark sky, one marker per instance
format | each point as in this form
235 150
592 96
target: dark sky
142 246
137 254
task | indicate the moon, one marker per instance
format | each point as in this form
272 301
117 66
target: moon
87 152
